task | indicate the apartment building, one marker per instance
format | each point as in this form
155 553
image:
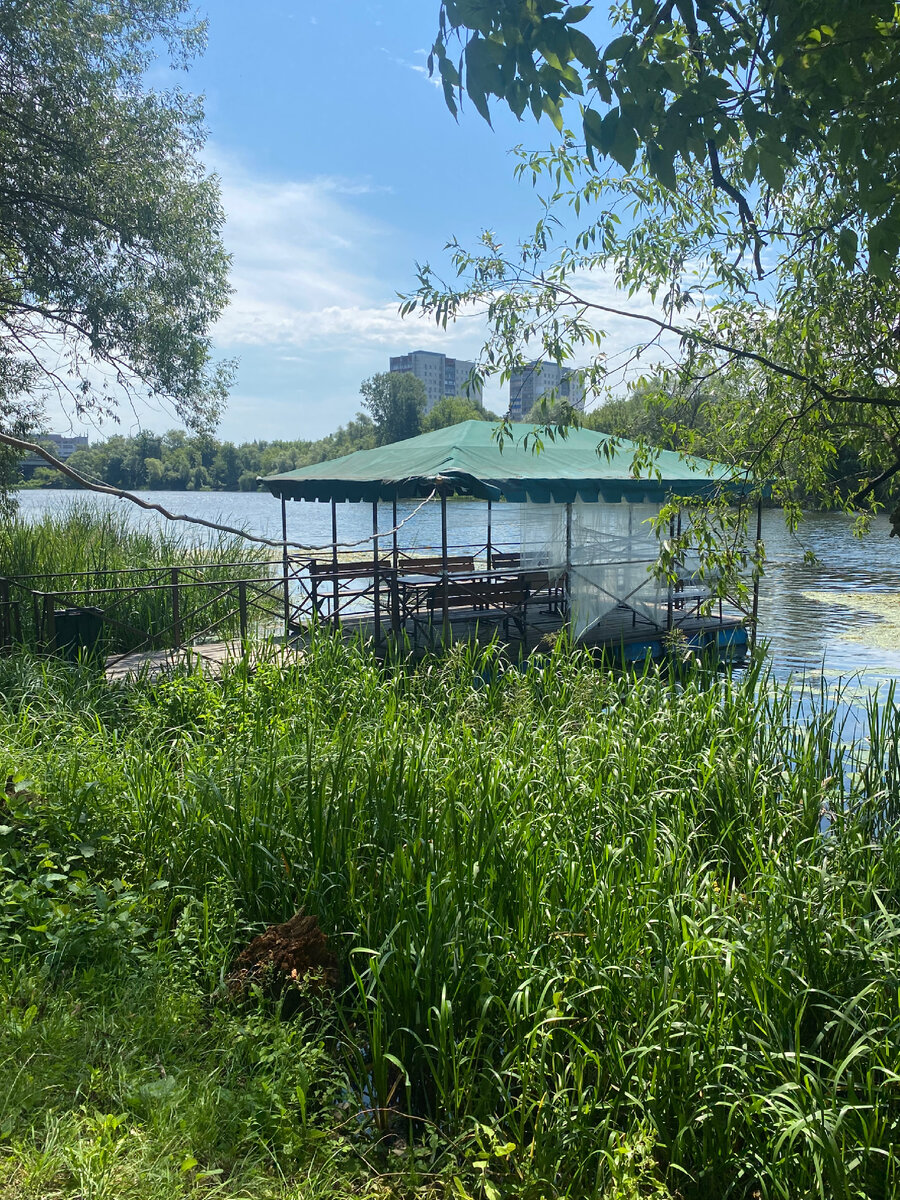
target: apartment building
538 379
441 375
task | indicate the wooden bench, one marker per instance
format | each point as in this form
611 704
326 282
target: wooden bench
506 558
457 564
478 599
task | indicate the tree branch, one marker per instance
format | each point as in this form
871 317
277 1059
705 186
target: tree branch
870 487
738 352
7 439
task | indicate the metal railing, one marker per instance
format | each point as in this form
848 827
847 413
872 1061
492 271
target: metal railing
148 608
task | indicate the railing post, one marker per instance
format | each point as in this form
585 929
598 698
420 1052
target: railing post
445 623
335 587
313 569
284 571
242 610
568 592
376 574
394 580
49 622
176 610
490 551
395 601
670 620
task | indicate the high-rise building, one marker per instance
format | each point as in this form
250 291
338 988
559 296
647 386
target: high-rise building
538 379
441 375
64 445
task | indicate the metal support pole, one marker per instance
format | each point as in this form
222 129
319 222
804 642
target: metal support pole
669 607
755 616
335 590
284 570
490 552
569 567
242 611
395 582
176 611
376 575
444 572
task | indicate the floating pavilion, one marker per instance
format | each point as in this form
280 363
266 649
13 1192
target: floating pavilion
584 560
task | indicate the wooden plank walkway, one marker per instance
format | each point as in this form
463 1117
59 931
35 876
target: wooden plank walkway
211 657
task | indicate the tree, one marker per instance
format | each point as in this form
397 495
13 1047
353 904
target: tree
450 410
736 172
112 268
396 403
685 81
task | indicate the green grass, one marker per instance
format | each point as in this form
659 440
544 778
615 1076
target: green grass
598 936
86 549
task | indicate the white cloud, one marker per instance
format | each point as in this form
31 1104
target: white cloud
315 311
305 270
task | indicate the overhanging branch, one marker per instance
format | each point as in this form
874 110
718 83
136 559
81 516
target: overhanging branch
15 443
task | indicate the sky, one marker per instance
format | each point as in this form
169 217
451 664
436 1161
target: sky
341 168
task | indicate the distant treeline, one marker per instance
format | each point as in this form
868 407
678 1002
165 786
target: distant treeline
177 461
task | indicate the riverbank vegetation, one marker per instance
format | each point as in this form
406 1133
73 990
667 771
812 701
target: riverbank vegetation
595 936
89 555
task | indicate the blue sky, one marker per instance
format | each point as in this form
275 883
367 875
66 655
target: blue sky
341 167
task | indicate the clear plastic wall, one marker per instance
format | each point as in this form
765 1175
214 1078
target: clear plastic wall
613 553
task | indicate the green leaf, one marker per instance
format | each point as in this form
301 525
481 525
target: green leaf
617 48
577 13
772 170
189 1164
624 143
847 246
662 165
593 128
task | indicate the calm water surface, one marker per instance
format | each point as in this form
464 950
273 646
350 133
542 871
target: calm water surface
837 619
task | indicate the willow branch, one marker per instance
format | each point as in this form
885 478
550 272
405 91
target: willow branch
7 439
714 343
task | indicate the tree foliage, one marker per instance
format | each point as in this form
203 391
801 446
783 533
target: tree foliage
682 81
395 400
112 268
450 410
179 461
728 168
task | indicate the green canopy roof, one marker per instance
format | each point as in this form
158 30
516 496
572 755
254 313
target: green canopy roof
466 460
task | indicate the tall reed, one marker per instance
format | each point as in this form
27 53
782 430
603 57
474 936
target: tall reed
576 913
92 555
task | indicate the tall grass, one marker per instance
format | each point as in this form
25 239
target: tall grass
591 928
87 549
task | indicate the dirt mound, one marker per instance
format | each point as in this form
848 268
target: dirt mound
283 957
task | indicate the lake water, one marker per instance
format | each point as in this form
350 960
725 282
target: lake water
836 619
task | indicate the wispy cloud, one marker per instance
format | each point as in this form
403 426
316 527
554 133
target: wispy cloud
305 271
314 309
418 68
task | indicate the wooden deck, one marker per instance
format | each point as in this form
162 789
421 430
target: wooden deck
618 635
210 657
616 638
